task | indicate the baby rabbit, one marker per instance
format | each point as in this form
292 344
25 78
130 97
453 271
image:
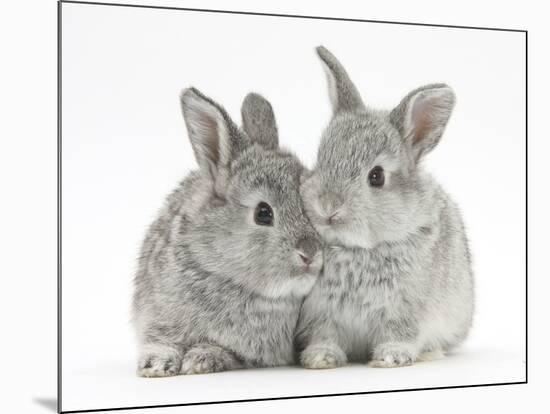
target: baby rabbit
397 280
226 265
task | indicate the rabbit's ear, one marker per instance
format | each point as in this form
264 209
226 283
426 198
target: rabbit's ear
259 121
214 137
343 93
422 116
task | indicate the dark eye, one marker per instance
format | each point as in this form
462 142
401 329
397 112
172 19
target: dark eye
376 176
263 215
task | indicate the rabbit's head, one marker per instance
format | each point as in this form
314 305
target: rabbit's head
250 224
367 187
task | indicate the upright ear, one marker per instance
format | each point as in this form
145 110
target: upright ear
422 116
343 93
259 121
215 139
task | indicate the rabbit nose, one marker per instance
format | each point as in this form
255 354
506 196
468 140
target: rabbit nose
305 259
307 249
330 205
331 218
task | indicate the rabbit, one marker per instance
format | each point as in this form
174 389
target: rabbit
397 281
224 268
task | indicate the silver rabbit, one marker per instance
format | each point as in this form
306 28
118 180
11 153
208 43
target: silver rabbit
224 268
397 282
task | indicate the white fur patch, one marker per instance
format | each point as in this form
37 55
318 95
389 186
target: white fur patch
431 356
322 357
298 286
158 361
332 88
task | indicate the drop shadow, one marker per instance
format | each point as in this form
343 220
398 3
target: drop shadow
49 403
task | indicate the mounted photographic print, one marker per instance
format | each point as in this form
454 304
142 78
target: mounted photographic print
258 206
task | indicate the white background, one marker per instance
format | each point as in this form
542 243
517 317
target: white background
124 149
31 340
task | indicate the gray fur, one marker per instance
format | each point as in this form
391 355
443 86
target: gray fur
259 120
214 290
397 280
343 94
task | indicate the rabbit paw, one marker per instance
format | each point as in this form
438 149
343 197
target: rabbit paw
391 356
204 359
323 357
159 361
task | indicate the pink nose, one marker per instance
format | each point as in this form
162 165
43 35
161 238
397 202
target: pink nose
305 259
330 220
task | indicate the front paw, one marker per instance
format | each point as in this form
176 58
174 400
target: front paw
159 362
205 359
392 356
323 357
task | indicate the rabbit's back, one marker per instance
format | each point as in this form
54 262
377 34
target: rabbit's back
156 253
451 283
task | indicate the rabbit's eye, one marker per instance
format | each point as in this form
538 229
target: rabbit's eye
263 215
376 176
